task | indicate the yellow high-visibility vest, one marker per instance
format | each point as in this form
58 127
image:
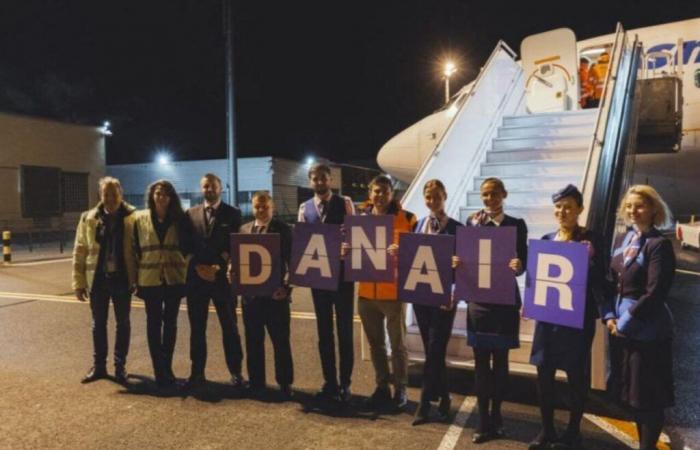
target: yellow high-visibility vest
158 262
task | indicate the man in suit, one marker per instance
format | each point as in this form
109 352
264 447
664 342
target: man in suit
206 239
271 312
327 207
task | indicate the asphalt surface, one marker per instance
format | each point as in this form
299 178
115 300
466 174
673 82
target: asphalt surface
45 348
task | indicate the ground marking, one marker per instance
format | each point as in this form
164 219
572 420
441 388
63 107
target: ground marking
35 263
449 441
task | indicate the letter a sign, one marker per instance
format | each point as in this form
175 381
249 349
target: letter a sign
425 268
555 291
315 258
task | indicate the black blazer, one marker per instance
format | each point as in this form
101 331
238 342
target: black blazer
285 232
208 248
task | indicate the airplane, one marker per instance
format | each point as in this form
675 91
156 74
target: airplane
674 173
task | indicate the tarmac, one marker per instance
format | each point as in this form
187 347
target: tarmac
46 347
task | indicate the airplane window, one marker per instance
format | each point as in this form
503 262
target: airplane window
697 78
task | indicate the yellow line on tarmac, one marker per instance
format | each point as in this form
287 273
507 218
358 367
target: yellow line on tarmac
70 299
624 431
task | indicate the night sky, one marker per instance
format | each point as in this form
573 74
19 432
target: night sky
329 78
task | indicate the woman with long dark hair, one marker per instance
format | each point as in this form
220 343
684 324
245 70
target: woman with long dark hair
161 272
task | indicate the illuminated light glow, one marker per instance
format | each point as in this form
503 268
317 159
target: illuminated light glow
310 161
450 69
163 158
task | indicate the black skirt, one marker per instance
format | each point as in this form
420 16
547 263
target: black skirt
646 373
493 327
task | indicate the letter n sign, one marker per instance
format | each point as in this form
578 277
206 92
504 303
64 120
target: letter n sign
555 290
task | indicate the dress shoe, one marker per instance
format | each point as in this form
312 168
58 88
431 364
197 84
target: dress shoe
379 398
568 441
543 441
193 382
238 381
344 394
120 374
444 408
422 413
254 390
165 381
400 398
479 437
327 393
95 373
286 392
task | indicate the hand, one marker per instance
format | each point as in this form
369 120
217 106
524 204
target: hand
516 265
81 294
207 272
523 317
449 306
344 249
230 274
280 293
456 261
612 326
393 249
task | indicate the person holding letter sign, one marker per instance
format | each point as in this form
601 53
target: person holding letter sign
642 267
563 347
271 312
161 272
493 329
378 301
327 207
435 323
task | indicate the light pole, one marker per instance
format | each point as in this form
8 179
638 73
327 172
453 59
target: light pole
450 69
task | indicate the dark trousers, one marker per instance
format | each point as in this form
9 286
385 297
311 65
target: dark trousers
198 311
260 313
490 384
162 307
649 426
103 289
435 326
578 380
324 304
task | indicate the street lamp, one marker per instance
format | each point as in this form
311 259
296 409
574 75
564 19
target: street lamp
163 158
450 69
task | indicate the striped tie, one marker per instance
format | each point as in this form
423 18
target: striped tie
434 225
632 249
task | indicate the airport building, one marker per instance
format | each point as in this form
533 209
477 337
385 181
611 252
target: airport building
48 172
285 179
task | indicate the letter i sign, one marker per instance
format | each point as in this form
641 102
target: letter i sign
555 291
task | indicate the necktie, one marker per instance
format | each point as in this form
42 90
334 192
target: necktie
322 207
209 216
480 218
632 249
434 225
261 229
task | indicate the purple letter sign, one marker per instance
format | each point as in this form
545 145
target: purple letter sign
425 268
256 263
315 261
484 275
555 291
369 237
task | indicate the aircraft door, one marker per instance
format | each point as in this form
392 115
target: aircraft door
550 63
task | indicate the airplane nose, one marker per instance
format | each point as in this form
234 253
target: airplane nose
399 156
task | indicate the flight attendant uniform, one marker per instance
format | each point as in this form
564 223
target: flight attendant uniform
642 267
435 326
492 330
569 349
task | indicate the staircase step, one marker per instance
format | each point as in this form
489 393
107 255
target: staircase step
541 142
527 182
516 198
572 168
578 129
586 116
533 154
531 214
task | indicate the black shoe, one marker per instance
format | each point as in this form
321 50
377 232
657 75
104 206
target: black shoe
380 397
444 408
569 440
344 394
95 373
286 392
400 398
422 413
165 381
193 382
479 437
238 381
543 441
255 390
120 374
327 393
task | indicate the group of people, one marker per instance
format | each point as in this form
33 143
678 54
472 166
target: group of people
164 254
592 79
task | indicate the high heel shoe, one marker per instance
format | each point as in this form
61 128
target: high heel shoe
444 408
422 413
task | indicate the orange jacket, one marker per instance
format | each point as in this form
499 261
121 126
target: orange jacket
597 74
586 88
404 222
